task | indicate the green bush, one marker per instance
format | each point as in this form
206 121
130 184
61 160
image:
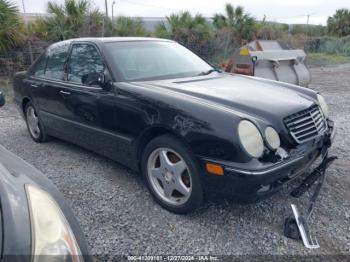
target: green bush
270 31
310 30
329 45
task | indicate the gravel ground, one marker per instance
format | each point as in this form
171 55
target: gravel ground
118 215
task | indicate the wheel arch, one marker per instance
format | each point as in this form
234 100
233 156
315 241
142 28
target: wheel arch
25 101
152 133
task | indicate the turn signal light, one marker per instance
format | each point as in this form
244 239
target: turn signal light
215 169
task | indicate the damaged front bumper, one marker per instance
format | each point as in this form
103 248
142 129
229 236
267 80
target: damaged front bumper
297 228
252 185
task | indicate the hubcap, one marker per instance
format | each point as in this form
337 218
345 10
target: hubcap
169 176
33 122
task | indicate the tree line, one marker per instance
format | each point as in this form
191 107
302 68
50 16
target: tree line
224 31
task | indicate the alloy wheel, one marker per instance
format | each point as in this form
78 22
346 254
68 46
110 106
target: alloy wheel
169 176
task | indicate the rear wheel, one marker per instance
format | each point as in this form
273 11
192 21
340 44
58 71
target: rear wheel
35 128
172 175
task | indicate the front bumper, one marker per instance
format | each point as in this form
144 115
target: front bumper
255 183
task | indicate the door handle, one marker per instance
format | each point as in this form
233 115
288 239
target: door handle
34 85
64 93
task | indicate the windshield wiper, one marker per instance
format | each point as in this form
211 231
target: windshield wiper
204 73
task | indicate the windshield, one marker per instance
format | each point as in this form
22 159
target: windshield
154 60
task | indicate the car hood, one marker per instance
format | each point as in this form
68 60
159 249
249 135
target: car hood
254 96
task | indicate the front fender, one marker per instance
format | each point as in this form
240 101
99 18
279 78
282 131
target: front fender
210 130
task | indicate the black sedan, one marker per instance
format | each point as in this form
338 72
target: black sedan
36 222
154 106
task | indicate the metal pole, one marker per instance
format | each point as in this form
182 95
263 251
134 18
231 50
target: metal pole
103 27
24 9
31 57
113 10
106 8
105 19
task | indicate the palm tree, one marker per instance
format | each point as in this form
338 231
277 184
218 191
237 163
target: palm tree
11 26
191 31
127 26
241 23
339 23
56 26
72 19
95 25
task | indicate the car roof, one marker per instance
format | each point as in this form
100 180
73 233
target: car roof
106 40
110 40
120 39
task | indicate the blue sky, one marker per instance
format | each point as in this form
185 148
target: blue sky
275 10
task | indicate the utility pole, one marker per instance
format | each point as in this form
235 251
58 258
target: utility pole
105 19
27 26
113 10
24 9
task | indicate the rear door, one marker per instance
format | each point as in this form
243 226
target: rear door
46 84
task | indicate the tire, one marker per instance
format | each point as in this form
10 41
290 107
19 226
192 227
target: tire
35 128
162 161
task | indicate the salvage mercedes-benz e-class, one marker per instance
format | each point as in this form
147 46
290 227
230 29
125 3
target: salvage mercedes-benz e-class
154 106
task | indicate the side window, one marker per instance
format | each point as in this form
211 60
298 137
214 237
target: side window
57 56
39 68
84 59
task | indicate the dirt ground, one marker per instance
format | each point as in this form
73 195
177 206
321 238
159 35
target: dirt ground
118 215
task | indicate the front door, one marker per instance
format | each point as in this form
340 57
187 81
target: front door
89 118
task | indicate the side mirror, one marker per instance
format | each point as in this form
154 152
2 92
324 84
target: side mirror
93 79
97 79
2 99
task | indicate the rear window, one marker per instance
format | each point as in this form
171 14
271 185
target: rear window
39 68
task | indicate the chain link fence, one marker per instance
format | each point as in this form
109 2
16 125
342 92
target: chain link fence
20 58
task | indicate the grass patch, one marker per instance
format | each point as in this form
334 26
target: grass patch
327 59
6 88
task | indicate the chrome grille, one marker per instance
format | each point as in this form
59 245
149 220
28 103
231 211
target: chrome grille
307 124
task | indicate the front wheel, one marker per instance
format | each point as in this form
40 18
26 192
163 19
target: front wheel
172 175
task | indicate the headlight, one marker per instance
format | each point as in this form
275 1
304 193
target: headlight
323 105
250 138
272 138
51 233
